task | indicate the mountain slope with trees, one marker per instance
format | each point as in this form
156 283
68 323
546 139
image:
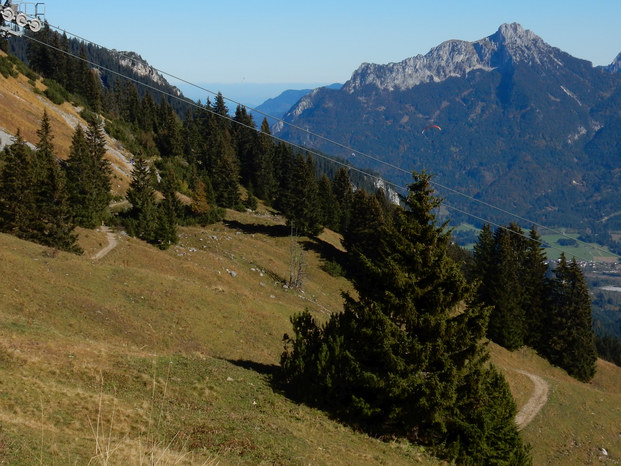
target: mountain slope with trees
411 303
524 126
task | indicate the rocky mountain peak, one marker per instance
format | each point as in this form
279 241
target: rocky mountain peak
456 58
138 65
514 43
515 34
615 66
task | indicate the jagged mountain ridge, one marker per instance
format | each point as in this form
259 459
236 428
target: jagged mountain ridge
517 116
456 58
140 67
615 66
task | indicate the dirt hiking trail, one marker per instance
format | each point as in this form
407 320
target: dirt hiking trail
112 243
537 400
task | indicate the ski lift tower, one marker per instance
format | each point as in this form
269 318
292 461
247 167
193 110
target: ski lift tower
17 16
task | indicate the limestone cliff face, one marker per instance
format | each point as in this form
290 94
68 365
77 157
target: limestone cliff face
456 58
138 65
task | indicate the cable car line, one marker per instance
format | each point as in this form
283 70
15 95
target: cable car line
349 149
305 149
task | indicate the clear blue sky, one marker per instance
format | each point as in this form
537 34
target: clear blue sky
321 41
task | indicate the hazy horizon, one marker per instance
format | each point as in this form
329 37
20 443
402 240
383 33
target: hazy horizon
245 93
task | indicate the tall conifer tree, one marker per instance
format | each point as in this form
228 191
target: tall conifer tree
305 214
244 137
330 213
534 285
406 356
506 325
55 218
283 167
168 212
142 217
264 177
88 174
571 341
18 203
343 192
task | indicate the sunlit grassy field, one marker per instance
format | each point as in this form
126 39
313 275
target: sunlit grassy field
164 357
151 357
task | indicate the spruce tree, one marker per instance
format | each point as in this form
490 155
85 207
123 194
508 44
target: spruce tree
101 179
244 137
168 131
88 175
147 116
361 238
571 341
484 262
169 209
512 272
225 171
506 324
79 168
406 357
221 112
142 218
18 202
217 157
283 167
84 81
534 286
305 213
264 178
55 219
343 192
330 213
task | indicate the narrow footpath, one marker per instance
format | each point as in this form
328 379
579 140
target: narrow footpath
112 243
537 400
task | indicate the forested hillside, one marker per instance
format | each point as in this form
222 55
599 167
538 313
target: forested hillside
524 126
405 353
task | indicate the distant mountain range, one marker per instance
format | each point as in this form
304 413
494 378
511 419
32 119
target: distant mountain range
524 126
279 105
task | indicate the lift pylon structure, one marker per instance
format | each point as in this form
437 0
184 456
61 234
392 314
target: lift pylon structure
16 16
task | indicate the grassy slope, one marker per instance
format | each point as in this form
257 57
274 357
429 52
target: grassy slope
177 349
578 420
171 353
22 109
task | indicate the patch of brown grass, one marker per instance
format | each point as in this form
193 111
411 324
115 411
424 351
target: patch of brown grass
22 109
67 322
578 420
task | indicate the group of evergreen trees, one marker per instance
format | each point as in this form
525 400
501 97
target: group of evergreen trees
206 154
549 311
406 356
609 348
42 200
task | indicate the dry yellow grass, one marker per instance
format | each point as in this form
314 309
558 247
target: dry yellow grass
579 419
67 323
171 350
22 109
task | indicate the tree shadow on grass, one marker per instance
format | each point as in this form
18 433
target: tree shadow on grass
270 370
277 231
334 260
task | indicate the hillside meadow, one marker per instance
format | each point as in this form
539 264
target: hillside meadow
164 357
